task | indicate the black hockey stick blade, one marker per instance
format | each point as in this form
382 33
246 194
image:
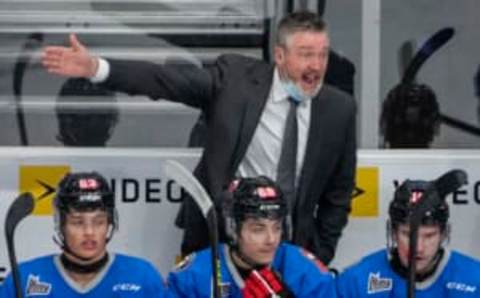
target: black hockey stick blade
437 192
20 208
321 4
185 179
450 182
405 56
434 43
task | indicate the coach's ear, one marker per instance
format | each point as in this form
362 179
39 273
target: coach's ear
279 55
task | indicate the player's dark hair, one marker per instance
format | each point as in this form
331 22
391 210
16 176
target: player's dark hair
410 116
92 126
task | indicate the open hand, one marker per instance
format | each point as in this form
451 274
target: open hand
73 61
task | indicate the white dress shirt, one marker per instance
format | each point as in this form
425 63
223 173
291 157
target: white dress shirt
263 152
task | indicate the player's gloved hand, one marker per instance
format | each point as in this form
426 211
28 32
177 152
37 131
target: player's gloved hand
265 283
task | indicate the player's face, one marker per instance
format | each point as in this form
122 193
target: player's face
86 233
259 239
303 60
429 240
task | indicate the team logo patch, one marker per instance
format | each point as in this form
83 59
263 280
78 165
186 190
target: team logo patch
225 289
185 262
378 284
266 192
416 196
37 288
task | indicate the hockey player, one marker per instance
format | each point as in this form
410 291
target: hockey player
439 272
255 262
85 219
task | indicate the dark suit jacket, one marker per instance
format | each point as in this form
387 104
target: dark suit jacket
340 74
233 93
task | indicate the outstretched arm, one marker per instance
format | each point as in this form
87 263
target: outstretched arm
73 61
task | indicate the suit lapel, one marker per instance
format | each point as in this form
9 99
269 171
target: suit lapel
259 86
316 133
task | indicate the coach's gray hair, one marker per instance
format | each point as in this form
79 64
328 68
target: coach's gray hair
296 22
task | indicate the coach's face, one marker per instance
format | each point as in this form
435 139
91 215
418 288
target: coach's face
429 240
303 60
86 234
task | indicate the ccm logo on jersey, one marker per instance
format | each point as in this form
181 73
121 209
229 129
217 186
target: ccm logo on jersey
461 287
126 287
36 287
377 284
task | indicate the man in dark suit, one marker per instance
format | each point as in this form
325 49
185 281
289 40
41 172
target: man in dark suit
340 73
246 102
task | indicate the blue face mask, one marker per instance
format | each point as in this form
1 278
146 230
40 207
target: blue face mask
294 91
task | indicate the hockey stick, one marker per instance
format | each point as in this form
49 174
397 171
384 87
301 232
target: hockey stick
33 42
435 42
442 186
405 56
20 208
185 179
459 124
321 7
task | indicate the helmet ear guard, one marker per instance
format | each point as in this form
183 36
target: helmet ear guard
391 244
231 229
446 234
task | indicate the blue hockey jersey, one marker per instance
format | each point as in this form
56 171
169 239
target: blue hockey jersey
457 276
122 277
298 268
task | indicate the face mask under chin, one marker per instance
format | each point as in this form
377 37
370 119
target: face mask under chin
296 92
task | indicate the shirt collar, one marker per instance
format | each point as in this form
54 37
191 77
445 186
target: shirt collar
278 92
